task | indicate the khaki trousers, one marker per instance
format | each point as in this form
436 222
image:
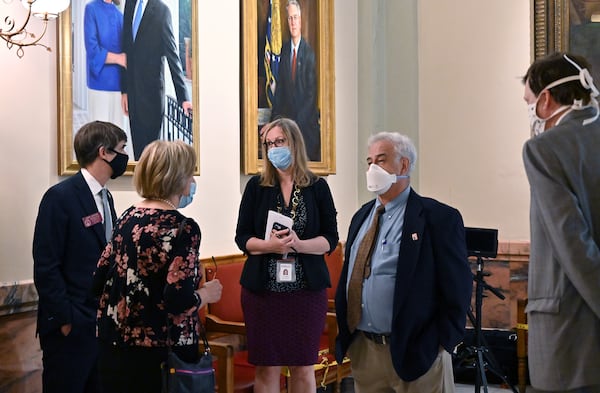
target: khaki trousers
373 371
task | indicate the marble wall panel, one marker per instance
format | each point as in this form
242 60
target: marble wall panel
20 354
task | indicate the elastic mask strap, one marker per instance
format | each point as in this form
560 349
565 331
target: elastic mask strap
585 78
561 81
587 81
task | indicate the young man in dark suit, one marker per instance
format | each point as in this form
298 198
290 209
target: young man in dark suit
403 295
296 89
73 225
148 39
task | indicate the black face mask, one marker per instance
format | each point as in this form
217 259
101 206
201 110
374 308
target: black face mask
118 164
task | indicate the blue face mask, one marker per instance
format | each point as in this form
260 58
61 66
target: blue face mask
187 199
280 157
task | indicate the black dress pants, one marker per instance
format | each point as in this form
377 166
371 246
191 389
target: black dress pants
70 363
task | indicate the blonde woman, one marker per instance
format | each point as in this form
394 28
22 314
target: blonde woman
149 272
285 277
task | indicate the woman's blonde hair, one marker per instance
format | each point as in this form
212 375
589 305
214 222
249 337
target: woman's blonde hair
164 169
301 175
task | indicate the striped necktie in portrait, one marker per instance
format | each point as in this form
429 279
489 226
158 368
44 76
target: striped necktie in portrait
294 66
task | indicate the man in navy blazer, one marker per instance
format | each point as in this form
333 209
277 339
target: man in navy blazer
296 96
143 81
68 239
416 288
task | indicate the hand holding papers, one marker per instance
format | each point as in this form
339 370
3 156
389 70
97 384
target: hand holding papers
286 267
276 222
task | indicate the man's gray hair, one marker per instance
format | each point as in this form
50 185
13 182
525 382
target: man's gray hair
403 146
296 3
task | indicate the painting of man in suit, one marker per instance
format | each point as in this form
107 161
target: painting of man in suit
295 92
148 39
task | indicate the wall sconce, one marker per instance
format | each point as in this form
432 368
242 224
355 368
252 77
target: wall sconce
19 36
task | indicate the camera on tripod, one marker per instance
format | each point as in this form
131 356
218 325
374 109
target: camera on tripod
476 356
482 242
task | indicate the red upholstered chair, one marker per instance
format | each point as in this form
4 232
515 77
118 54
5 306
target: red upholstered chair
335 262
225 323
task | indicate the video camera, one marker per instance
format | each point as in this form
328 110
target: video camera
482 242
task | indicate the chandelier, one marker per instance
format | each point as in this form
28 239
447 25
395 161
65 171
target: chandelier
19 35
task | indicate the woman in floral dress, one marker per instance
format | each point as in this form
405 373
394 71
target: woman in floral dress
149 273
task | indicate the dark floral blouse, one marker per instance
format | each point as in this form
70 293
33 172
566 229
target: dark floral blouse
148 271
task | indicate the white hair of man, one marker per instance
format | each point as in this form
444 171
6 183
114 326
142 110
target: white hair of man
296 3
403 146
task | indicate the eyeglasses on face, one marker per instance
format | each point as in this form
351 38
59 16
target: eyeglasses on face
277 143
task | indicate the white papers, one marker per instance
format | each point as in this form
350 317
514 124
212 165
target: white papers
275 219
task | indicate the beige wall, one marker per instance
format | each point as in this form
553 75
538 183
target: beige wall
458 96
472 118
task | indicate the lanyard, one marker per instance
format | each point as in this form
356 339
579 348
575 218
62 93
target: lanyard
295 201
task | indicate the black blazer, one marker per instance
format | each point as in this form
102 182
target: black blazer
252 220
144 80
298 101
433 286
65 254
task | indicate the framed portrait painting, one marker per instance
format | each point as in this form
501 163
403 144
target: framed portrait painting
568 26
109 48
288 71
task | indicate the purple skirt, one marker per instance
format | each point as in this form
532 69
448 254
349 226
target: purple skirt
284 328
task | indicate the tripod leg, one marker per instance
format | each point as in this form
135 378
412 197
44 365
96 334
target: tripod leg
481 378
495 369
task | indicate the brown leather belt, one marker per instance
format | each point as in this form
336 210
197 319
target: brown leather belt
377 338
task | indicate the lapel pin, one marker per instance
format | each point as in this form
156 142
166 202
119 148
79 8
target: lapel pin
415 237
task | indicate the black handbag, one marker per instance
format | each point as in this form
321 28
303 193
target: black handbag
181 377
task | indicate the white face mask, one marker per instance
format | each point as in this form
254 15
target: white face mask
379 180
536 123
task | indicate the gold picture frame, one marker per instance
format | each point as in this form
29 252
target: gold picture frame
68 57
568 26
321 38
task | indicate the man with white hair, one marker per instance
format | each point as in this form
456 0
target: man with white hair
406 284
296 90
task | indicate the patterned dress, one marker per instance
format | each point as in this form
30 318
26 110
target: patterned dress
149 272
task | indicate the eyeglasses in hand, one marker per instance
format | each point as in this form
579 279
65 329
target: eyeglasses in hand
212 272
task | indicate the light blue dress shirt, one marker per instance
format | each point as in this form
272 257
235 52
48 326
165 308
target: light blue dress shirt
378 288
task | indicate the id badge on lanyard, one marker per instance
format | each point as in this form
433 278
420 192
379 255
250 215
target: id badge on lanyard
286 270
